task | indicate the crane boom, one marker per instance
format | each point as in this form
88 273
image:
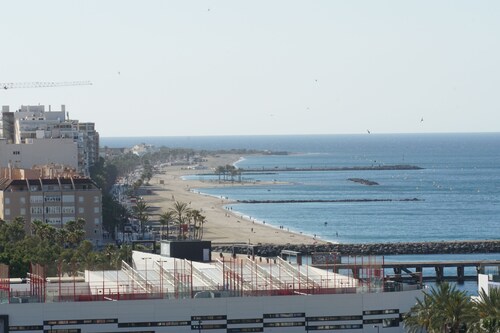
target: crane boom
11 85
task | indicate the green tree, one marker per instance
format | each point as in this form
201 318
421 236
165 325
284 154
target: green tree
220 170
443 309
196 221
140 211
76 232
181 211
487 312
165 219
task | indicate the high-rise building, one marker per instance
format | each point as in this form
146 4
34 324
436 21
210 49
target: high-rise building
32 136
55 201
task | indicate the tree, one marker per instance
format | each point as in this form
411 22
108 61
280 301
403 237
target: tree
487 312
443 309
220 170
76 232
197 220
140 210
180 211
165 219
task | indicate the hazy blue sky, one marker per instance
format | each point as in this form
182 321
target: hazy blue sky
258 67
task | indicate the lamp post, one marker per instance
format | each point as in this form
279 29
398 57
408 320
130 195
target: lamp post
146 264
378 328
199 326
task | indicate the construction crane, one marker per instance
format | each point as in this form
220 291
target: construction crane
11 85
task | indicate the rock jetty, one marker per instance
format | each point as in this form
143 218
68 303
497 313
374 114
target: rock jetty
353 168
451 247
363 181
324 200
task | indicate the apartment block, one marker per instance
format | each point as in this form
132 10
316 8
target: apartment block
53 132
54 201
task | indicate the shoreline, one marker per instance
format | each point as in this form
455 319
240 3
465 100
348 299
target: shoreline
222 225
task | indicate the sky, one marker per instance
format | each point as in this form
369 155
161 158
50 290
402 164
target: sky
193 68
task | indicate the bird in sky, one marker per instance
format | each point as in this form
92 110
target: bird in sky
421 120
368 131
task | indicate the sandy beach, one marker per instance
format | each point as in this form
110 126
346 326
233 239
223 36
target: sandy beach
222 225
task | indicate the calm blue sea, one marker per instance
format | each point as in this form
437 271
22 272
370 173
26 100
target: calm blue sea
458 189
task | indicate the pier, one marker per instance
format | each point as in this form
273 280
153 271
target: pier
415 269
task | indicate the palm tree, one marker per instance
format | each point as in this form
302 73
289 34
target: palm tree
76 232
180 212
165 219
140 213
419 319
198 220
487 311
220 170
443 309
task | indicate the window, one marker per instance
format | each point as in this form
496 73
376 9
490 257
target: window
96 210
53 221
378 312
53 210
66 219
16 152
36 199
68 198
68 210
97 221
7 211
7 201
22 200
285 324
96 199
23 211
335 318
80 199
391 322
52 198
36 210
81 210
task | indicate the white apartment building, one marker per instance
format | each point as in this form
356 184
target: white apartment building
53 132
39 152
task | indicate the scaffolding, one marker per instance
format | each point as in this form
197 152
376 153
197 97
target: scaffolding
153 276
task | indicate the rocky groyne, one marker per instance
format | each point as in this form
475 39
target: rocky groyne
353 168
451 247
363 181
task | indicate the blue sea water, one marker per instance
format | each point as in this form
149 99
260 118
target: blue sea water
458 187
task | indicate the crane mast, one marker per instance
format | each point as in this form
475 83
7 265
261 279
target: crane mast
13 85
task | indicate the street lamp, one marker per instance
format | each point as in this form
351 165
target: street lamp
146 264
378 328
199 326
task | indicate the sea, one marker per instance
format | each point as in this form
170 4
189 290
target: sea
454 196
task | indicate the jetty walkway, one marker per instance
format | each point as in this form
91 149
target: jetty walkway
415 269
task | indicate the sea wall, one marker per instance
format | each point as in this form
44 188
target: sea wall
453 247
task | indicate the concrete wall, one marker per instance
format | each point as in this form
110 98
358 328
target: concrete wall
46 151
147 314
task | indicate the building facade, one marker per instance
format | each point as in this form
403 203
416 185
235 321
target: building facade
54 201
53 129
163 294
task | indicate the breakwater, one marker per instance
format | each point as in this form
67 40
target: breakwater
451 247
323 200
354 168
